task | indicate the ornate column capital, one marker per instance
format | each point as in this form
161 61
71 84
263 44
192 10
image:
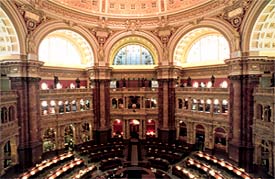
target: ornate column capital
168 72
249 65
21 68
99 73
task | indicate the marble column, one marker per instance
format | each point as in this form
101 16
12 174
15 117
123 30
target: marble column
244 74
101 95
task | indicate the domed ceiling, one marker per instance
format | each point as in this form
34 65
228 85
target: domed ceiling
130 14
132 8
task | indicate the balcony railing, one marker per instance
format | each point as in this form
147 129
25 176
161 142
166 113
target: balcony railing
192 89
269 90
134 89
57 91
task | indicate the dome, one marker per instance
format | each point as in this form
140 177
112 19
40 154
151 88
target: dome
118 14
133 8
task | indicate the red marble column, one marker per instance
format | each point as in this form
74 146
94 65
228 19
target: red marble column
101 103
28 111
166 99
244 78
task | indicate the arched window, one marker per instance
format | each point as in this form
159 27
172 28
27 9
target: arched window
114 103
4 117
65 48
11 113
180 103
133 55
209 48
259 112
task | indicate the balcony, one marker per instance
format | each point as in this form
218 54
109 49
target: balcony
270 91
130 90
203 90
8 129
58 93
8 96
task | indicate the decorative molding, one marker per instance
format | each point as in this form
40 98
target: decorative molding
235 13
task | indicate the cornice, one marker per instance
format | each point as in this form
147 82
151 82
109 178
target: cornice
116 21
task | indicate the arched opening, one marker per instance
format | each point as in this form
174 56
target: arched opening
66 44
69 137
49 142
265 155
74 106
133 54
67 106
186 103
114 103
224 106
194 106
7 155
11 113
85 132
4 113
150 128
134 51
200 137
208 105
220 140
134 102
267 113
200 105
183 132
180 103
44 107
120 103
134 128
216 107
52 107
117 128
259 111
201 46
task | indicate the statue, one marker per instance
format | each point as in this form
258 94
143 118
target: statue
56 80
189 82
212 80
77 81
142 82
30 43
123 82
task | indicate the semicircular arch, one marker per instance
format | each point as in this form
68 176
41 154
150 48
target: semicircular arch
250 19
19 26
45 29
218 26
119 39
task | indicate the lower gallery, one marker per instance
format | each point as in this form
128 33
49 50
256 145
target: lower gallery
137 89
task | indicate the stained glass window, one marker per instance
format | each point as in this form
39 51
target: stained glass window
133 55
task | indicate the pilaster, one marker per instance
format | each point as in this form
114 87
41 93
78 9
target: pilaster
167 76
24 76
244 74
101 79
